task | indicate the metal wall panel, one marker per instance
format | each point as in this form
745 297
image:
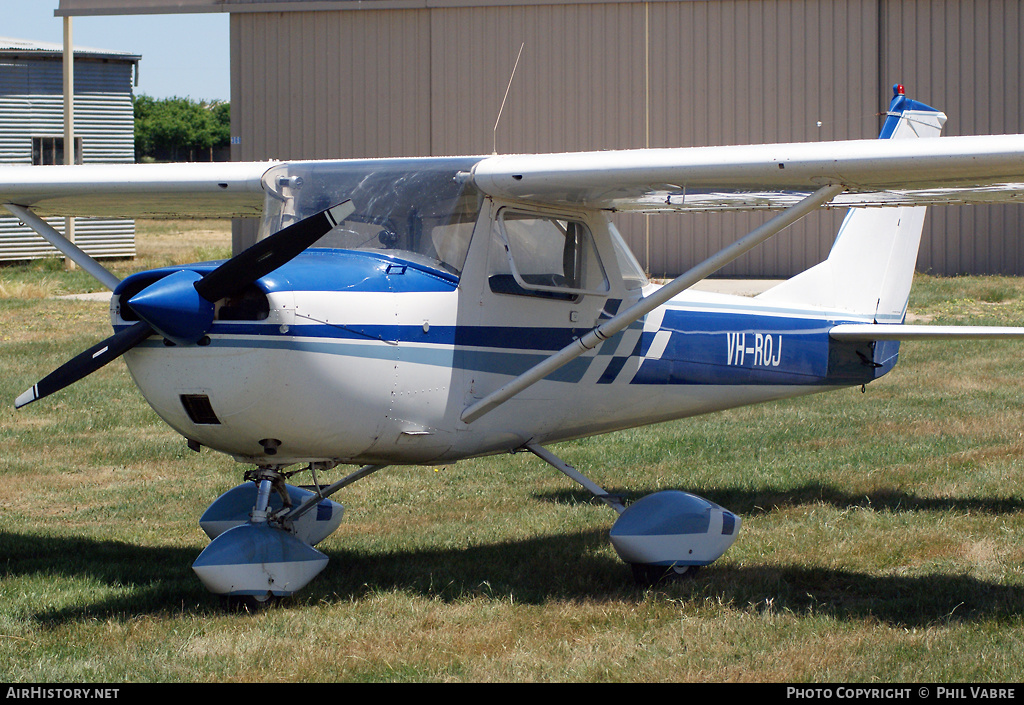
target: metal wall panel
964 58
752 72
99 237
579 83
316 85
597 75
331 84
32 105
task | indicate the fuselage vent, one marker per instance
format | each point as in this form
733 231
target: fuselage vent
199 409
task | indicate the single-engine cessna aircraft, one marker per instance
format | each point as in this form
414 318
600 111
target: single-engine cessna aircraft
429 310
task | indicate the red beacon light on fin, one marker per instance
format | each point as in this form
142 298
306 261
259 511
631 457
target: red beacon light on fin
897 89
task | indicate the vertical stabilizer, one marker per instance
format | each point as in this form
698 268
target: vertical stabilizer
871 266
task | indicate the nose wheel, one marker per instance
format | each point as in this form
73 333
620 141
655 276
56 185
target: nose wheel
250 603
647 575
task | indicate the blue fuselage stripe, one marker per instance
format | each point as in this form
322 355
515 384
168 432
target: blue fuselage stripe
702 348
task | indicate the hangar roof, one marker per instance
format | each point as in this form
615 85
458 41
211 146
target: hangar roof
75 8
10 45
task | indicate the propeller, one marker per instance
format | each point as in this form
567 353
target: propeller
180 306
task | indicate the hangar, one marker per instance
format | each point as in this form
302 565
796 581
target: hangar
378 78
32 129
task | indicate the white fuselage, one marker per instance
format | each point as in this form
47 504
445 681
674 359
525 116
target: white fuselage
364 372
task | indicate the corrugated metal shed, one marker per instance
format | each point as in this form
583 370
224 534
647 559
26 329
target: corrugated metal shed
31 112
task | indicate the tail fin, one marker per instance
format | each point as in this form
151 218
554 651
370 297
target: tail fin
871 266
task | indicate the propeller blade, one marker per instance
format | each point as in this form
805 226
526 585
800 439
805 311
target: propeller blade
86 363
270 253
165 302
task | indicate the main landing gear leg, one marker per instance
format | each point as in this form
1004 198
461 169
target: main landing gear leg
553 460
666 536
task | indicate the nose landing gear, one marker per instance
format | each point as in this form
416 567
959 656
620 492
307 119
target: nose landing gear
256 555
263 533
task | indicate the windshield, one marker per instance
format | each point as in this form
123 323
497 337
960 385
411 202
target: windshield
421 210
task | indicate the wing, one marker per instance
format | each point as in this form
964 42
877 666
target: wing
203 190
934 171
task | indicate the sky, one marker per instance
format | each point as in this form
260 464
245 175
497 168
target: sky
182 55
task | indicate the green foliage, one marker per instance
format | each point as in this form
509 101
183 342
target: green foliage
180 129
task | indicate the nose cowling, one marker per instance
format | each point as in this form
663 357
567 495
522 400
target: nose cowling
180 306
174 308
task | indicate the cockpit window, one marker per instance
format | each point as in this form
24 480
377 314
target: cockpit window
419 210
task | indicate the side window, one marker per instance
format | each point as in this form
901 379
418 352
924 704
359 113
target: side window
545 256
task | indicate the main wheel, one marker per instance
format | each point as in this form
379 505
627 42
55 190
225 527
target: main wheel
649 575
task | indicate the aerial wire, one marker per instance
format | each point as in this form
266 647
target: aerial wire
507 89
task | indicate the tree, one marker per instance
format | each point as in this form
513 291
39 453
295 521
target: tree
180 129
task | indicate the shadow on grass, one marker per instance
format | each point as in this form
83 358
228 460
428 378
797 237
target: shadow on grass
536 571
760 501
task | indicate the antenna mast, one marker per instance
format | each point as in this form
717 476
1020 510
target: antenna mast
507 89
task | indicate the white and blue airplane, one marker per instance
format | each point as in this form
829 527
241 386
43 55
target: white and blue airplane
422 311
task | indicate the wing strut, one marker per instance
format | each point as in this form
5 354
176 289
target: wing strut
620 322
70 250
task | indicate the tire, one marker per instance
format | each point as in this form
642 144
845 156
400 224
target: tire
251 603
648 575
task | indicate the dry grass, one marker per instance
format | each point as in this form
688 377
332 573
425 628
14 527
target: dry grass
28 290
179 241
883 535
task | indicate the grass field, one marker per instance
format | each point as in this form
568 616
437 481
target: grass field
883 534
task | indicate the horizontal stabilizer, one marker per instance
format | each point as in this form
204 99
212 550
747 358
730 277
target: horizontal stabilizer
871 331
